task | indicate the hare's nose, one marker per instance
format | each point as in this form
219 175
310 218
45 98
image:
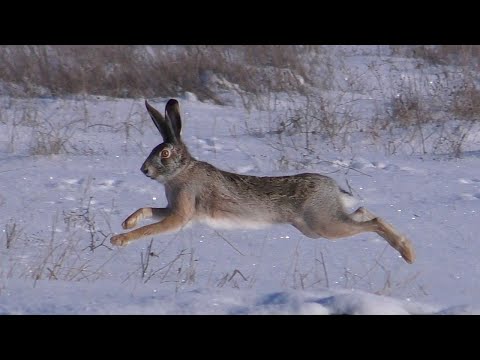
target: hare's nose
144 169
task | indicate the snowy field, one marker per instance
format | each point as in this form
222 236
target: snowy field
58 212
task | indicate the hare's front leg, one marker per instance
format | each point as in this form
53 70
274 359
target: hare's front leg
145 213
171 223
179 215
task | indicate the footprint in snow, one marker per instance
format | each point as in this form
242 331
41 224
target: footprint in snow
63 184
107 184
469 181
362 164
208 144
73 181
468 196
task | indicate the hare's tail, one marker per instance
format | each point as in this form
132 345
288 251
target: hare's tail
347 199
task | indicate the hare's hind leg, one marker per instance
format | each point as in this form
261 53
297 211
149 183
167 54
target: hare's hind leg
388 232
145 213
395 239
360 221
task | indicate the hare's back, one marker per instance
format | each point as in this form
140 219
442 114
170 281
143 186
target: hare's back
230 199
288 192
292 186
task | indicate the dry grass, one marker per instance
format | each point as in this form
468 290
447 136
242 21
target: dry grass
153 71
465 102
258 74
441 54
13 232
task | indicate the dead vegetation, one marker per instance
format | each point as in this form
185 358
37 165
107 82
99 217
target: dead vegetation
132 71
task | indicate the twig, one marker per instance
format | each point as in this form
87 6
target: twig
229 243
236 271
324 268
347 167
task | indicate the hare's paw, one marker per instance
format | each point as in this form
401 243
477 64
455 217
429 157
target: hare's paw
406 250
130 222
119 240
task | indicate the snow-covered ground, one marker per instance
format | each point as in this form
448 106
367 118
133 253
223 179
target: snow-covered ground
58 212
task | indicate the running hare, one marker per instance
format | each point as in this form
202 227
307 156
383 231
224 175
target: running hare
196 190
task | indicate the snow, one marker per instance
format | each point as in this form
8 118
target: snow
59 297
58 211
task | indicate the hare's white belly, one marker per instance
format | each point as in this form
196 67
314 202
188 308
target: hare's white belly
233 223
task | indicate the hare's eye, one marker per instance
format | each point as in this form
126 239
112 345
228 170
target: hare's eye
165 154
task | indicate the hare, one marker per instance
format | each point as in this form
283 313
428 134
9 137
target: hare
198 191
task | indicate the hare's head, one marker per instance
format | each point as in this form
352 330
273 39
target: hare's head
169 158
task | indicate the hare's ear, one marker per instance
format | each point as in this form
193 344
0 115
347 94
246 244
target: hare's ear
162 125
172 114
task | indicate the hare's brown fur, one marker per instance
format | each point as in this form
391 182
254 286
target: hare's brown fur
198 191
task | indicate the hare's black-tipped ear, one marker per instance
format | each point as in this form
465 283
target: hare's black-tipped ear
162 125
172 113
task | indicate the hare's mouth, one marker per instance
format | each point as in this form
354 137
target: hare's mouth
148 171
152 176
155 176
